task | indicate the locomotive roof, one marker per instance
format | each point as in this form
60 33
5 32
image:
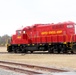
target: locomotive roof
60 23
49 24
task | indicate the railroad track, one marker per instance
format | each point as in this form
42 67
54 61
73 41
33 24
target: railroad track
40 53
28 69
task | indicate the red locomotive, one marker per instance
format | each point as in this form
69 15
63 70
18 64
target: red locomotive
52 37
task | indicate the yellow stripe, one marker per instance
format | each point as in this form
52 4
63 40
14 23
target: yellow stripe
65 43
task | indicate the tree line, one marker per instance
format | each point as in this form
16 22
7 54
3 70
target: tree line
4 39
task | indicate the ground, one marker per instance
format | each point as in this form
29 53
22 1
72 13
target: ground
67 61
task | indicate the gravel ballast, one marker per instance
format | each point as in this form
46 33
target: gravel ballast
7 72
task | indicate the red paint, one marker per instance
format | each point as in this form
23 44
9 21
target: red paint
46 33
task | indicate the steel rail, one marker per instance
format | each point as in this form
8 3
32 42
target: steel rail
47 69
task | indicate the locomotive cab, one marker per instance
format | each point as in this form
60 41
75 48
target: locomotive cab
18 33
18 41
21 34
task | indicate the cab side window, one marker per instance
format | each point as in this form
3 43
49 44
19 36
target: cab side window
24 32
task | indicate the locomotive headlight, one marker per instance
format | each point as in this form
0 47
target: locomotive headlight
69 26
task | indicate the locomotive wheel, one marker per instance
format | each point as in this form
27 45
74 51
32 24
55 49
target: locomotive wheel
50 50
31 51
9 49
25 51
65 51
72 52
19 51
14 51
58 51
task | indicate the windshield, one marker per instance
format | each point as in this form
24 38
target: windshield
19 32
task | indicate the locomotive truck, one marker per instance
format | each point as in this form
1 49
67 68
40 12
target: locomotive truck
58 37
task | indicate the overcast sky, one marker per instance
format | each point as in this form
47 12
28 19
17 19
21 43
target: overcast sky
17 13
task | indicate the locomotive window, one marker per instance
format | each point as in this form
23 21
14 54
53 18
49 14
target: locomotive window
24 32
19 32
69 26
